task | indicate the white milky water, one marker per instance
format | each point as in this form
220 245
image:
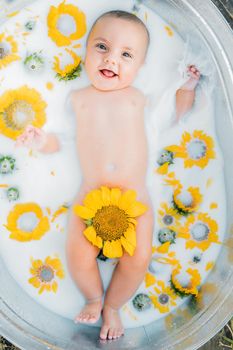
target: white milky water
54 179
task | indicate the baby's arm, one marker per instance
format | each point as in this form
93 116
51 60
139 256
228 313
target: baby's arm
186 94
39 140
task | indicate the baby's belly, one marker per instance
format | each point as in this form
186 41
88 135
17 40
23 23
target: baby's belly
113 172
113 161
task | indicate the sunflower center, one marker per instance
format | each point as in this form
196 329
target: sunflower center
184 280
110 222
66 25
166 235
163 298
4 50
18 115
164 157
5 166
46 274
196 149
186 198
200 231
168 219
27 222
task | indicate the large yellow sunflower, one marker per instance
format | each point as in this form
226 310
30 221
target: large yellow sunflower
196 149
21 107
26 222
186 201
199 231
70 71
8 50
163 298
44 273
193 281
66 23
110 217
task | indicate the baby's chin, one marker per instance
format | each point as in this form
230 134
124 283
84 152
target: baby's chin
109 86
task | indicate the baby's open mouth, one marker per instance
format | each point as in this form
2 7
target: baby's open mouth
107 73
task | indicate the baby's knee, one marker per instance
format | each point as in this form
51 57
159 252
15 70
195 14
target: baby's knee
140 260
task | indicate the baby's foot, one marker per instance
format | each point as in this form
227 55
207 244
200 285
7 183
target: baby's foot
112 327
91 311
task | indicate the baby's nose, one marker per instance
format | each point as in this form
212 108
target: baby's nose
110 59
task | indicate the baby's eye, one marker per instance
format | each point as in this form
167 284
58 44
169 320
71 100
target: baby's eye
101 46
126 54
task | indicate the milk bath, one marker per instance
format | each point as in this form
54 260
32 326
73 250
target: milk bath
51 181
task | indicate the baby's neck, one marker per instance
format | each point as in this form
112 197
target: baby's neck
111 91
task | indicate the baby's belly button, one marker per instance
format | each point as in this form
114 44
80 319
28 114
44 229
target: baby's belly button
111 167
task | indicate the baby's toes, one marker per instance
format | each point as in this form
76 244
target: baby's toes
92 318
110 333
104 332
115 334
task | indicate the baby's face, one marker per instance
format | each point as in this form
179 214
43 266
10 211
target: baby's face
115 51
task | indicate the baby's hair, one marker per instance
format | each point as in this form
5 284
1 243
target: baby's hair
124 15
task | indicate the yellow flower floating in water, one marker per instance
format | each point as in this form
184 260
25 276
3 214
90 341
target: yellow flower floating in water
26 222
65 23
8 50
196 149
44 273
199 231
165 159
19 108
189 287
186 201
110 216
168 216
159 257
163 298
70 71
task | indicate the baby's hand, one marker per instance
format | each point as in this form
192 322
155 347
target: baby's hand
32 137
194 76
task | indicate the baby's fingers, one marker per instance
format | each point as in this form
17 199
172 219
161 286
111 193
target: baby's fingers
193 72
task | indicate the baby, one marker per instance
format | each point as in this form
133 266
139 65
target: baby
112 149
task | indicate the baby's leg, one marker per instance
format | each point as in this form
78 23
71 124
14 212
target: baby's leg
128 273
83 267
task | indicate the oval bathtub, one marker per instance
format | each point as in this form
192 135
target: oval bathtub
30 326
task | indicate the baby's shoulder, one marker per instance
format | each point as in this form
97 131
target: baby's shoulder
137 95
77 97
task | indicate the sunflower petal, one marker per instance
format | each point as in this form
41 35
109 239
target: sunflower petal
149 279
90 234
136 209
130 236
54 286
118 251
115 196
99 242
34 281
163 169
83 212
93 200
108 250
128 246
106 195
164 248
127 199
